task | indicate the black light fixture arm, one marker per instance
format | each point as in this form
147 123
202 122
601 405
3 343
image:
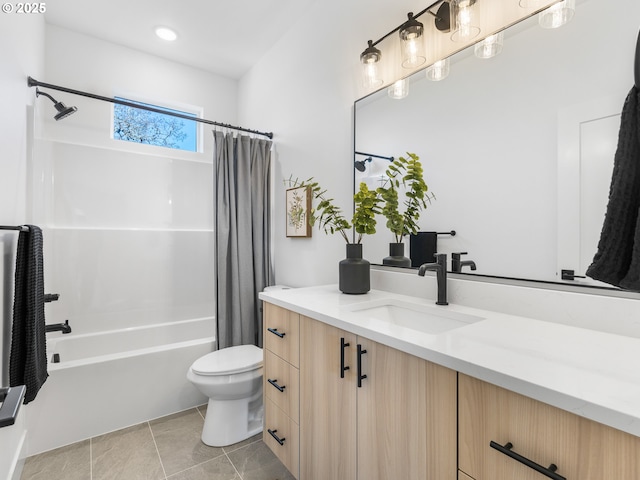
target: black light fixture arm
35 83
420 13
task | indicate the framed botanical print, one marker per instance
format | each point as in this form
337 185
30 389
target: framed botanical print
298 209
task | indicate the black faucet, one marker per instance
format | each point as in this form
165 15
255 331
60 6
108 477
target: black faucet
457 264
58 327
440 267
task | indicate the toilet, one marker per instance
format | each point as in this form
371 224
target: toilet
232 379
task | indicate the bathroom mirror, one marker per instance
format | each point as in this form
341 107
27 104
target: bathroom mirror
494 138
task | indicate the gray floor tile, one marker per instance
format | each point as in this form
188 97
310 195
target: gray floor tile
244 443
217 469
178 439
257 462
72 462
126 454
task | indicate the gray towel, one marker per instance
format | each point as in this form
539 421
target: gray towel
28 360
617 261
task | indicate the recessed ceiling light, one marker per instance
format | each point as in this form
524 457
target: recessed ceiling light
166 34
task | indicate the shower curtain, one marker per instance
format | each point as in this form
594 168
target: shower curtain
243 258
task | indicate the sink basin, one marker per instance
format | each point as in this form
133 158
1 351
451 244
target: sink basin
423 318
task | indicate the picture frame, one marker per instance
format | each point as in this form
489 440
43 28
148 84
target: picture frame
298 209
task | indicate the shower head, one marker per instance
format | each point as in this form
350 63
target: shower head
63 110
361 164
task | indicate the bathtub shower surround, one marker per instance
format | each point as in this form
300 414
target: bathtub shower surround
110 380
130 250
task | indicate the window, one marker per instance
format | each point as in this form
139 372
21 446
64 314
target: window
152 128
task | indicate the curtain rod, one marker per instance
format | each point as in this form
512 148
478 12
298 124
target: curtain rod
20 228
35 83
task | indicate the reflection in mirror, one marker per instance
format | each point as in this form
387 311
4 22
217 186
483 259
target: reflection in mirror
488 137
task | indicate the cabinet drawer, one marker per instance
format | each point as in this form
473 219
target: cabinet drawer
281 334
287 445
580 448
282 384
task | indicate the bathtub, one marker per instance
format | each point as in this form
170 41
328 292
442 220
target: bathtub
114 379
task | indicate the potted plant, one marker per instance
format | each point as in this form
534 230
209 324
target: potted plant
354 271
408 174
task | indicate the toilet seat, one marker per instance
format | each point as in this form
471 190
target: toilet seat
238 359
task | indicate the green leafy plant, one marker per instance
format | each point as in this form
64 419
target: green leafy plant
330 218
408 173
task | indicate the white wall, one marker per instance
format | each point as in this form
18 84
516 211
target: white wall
22 54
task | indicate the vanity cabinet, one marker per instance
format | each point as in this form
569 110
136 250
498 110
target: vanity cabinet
520 427
370 412
281 384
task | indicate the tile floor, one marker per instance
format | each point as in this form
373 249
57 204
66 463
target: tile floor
168 448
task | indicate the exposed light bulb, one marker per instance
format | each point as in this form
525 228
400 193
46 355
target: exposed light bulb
370 60
464 20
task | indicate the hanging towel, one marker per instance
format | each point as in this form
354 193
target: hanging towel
617 261
28 360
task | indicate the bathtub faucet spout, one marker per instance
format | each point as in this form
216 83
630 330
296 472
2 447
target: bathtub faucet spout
58 327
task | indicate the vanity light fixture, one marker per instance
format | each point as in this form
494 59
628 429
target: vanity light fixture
557 15
412 42
165 33
490 46
399 90
438 71
370 60
464 20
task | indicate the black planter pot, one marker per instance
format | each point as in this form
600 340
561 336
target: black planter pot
396 256
354 271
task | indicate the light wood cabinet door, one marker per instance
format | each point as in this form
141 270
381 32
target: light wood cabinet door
327 403
580 448
281 333
463 476
406 417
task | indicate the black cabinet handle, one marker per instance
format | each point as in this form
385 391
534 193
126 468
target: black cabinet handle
361 377
506 449
276 332
273 434
275 384
343 368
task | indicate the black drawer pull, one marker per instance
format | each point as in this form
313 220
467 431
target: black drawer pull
275 384
343 368
276 332
273 434
506 449
361 377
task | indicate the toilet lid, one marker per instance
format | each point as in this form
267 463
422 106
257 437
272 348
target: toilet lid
241 358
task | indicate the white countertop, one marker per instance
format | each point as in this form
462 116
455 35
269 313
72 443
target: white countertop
592 374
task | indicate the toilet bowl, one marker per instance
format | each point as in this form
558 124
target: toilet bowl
232 379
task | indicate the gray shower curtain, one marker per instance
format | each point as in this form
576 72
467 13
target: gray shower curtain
243 258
